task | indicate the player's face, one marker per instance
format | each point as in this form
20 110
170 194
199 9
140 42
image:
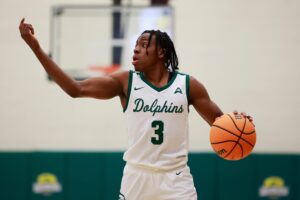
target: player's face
145 53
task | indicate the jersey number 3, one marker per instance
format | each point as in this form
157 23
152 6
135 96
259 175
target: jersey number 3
159 128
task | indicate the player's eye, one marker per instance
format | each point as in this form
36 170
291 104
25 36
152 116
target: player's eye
144 45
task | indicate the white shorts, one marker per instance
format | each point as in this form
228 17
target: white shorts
145 184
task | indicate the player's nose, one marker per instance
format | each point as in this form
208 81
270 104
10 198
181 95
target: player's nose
136 49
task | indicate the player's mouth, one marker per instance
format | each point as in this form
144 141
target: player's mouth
135 60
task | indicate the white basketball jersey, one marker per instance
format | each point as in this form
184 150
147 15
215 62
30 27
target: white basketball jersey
157 122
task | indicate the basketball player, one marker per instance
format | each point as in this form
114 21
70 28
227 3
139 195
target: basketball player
155 99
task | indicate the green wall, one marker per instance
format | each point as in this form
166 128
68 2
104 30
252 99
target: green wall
97 175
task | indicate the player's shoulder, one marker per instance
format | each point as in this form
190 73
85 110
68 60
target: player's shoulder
121 75
123 78
197 89
193 83
191 79
181 73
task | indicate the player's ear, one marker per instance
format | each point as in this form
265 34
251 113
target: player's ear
161 53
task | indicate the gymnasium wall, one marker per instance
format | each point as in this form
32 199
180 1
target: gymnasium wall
244 52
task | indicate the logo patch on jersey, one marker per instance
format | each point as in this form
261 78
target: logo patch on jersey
178 90
138 88
121 196
178 173
154 108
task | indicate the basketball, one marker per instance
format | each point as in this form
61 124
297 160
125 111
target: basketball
232 136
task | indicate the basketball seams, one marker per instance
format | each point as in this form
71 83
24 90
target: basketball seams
228 136
241 149
249 133
233 134
236 126
239 137
223 142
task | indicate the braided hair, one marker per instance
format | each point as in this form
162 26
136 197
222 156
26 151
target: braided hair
164 41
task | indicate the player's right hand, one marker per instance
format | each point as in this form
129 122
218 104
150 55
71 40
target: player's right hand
27 33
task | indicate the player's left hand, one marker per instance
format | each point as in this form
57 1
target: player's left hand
244 115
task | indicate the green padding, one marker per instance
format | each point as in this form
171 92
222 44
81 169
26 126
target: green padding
297 177
14 176
93 175
42 163
84 176
203 168
236 179
283 166
97 175
114 165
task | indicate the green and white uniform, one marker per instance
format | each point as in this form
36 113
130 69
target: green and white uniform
157 123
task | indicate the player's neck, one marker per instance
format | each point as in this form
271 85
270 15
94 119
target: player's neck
158 77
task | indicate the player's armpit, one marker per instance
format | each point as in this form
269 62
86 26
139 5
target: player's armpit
201 101
103 87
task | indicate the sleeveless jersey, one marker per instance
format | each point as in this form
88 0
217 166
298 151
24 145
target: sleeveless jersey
157 122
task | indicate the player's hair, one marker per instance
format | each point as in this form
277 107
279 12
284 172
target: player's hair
164 41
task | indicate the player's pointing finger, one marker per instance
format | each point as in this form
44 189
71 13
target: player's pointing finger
21 24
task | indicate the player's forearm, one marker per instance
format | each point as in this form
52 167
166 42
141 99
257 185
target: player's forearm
69 85
214 113
208 110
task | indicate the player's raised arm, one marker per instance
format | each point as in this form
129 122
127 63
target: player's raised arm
103 87
201 101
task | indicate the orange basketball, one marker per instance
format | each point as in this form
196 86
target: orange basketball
232 136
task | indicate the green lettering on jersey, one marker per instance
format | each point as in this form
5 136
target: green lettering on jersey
159 132
178 90
154 108
139 104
